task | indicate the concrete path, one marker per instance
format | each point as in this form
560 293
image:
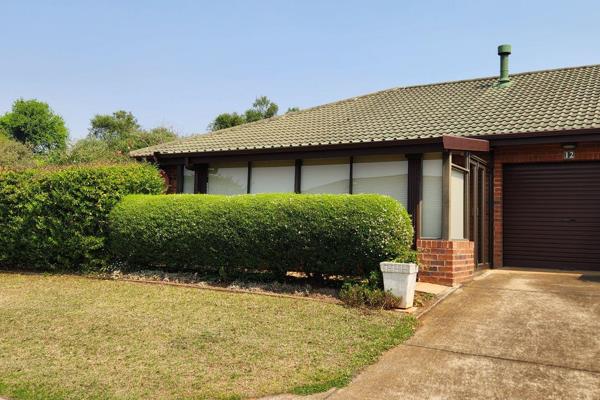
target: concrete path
506 335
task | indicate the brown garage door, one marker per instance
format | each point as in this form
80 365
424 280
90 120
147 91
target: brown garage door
552 215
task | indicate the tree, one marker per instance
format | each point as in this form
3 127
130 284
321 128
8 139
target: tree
110 139
140 138
261 108
113 127
292 109
34 124
226 120
86 150
122 132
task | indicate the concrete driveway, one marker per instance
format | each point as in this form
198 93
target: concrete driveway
506 335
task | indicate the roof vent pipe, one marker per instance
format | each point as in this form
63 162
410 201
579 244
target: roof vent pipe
504 51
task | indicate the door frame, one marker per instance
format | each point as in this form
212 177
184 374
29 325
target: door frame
478 207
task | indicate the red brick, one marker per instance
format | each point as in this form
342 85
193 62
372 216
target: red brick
446 262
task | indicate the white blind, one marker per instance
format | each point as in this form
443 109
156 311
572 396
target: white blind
188 180
325 176
431 213
381 174
272 177
228 178
457 205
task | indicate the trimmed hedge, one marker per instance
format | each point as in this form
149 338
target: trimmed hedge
322 234
58 218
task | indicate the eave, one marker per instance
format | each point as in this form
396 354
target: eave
480 143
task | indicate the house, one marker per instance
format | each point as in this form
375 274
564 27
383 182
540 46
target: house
500 171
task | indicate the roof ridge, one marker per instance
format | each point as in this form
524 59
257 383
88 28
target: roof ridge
486 78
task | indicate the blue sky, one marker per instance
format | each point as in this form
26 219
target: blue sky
180 63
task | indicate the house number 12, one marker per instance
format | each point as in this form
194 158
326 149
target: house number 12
569 155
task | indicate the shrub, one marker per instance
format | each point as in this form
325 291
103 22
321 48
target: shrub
14 155
88 150
57 218
368 293
317 234
408 256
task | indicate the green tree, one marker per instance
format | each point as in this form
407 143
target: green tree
90 150
292 109
122 132
261 108
113 127
226 120
110 139
34 124
140 138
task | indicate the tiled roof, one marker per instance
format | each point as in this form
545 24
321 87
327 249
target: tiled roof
542 101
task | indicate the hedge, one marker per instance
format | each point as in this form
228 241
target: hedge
57 218
323 234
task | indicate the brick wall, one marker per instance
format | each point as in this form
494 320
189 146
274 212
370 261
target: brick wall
528 154
446 262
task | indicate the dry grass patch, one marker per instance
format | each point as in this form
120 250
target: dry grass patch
64 337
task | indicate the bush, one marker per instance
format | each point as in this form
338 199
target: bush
316 234
58 218
408 256
368 293
361 296
14 155
88 150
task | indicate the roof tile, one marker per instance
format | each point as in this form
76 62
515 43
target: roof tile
552 100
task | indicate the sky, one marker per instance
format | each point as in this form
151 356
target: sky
181 63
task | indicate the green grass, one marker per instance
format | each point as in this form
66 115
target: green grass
66 337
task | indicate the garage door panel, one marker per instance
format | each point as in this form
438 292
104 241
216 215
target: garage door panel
588 250
580 238
560 264
535 224
580 264
551 215
543 200
572 258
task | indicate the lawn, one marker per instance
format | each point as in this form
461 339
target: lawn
67 337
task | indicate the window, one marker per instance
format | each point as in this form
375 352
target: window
431 213
188 180
272 177
325 176
381 174
228 178
457 204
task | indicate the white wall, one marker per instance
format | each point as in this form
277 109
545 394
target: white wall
326 176
272 177
228 178
457 204
381 174
431 210
188 180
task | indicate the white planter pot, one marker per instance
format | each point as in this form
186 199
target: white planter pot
401 280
